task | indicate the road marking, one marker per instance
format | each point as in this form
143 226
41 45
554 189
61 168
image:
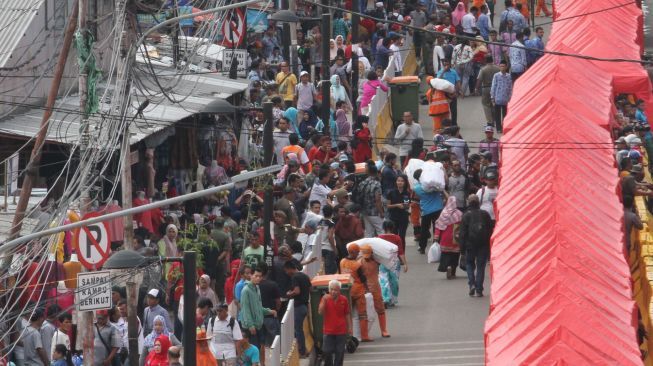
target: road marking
424 351
382 360
418 344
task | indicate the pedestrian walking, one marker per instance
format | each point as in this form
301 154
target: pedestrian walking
475 232
351 265
334 308
445 234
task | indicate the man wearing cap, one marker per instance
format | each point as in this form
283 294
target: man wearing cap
152 310
351 265
490 143
305 92
224 332
342 197
371 271
488 193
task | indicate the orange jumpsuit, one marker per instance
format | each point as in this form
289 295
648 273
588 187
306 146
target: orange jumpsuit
371 270
352 267
438 108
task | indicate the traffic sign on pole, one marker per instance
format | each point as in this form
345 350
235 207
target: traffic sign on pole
93 291
92 243
234 29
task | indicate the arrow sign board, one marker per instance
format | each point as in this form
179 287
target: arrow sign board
234 29
92 243
93 291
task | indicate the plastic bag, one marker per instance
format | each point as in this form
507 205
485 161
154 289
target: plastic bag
371 316
411 167
443 85
434 253
433 177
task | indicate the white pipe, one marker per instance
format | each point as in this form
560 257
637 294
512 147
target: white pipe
186 197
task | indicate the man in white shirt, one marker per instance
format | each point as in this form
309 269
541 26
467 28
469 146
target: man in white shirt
406 133
281 137
60 335
469 22
225 332
488 193
438 54
321 190
397 44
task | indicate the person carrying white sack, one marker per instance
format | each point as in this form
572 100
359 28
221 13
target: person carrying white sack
431 204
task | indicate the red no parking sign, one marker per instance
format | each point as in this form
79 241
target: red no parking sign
234 29
92 243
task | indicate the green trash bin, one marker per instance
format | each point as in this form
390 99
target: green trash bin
321 287
404 97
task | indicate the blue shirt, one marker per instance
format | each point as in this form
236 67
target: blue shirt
518 20
250 356
483 25
535 43
501 89
640 116
517 56
382 56
450 76
429 202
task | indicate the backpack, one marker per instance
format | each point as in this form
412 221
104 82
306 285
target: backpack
231 323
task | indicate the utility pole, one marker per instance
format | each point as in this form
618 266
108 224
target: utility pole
355 21
124 84
268 151
86 326
326 84
175 36
32 169
188 338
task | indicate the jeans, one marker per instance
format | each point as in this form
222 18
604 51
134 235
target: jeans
475 266
453 108
333 349
300 314
329 258
425 228
499 114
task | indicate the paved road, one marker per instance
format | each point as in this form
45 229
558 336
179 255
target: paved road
436 322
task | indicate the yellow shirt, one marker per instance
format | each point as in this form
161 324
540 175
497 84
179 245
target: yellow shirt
288 84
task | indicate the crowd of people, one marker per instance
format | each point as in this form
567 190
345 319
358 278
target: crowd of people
329 190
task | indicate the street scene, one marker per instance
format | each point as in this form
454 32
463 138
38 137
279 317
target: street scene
300 182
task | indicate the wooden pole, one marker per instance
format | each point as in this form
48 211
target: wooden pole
32 169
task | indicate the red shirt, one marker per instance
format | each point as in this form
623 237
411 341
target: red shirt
394 239
335 315
318 154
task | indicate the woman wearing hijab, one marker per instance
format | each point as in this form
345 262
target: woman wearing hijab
204 290
361 143
343 125
292 166
168 245
158 330
333 50
158 356
457 15
338 93
291 115
308 124
231 281
446 227
340 43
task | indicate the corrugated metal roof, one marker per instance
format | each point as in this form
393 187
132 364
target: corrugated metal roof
196 91
15 17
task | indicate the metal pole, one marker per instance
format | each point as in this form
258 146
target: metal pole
326 85
9 245
532 3
132 322
287 44
175 36
6 185
188 338
355 21
31 171
268 151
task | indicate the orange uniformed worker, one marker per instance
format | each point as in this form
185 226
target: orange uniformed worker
438 106
352 266
371 271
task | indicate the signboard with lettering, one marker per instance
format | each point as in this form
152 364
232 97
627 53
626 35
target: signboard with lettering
239 56
93 291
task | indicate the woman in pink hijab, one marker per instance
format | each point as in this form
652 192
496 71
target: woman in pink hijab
457 15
